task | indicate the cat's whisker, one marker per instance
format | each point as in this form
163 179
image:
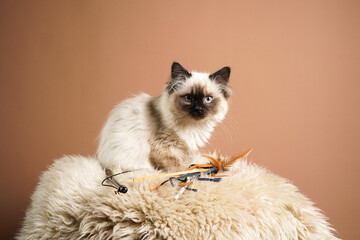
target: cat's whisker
221 127
236 124
228 133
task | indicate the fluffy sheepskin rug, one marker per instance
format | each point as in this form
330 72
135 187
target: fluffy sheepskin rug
70 203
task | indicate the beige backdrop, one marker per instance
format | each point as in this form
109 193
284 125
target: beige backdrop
295 77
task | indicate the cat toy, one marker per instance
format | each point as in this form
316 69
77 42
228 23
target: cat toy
195 171
120 189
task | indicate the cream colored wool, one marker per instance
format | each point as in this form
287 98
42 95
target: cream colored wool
70 203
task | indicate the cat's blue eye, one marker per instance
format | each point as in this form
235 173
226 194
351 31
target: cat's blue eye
208 99
188 98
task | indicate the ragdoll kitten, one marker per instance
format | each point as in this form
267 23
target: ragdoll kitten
165 132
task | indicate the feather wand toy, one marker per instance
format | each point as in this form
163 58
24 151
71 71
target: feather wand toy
196 170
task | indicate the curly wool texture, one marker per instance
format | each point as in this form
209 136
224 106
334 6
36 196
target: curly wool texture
252 203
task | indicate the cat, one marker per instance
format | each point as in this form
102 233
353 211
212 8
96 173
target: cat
165 132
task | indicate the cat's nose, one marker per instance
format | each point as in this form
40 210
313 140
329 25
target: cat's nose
199 109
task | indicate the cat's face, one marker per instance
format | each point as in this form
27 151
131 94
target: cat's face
198 96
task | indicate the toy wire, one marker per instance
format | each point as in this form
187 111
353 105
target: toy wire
119 187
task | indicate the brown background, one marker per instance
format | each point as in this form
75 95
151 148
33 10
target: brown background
295 77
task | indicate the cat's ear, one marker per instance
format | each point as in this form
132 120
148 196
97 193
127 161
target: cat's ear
221 77
178 76
178 72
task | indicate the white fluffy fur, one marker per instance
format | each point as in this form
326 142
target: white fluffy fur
124 139
251 204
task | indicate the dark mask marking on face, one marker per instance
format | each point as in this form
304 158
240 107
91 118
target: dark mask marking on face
178 77
193 103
